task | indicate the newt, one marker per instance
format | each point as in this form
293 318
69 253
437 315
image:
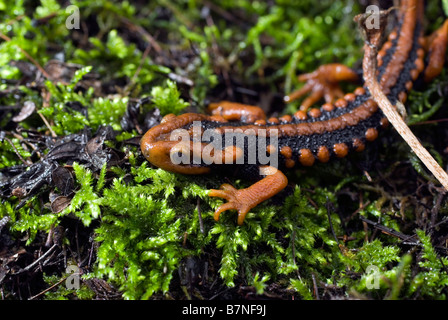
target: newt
344 123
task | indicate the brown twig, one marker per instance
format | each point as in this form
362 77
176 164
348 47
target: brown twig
328 206
315 288
142 61
387 230
25 162
46 102
149 38
38 66
373 39
24 141
32 265
201 223
48 289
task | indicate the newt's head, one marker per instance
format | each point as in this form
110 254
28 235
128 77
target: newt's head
161 145
171 147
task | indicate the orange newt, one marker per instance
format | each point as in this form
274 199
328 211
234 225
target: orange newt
346 122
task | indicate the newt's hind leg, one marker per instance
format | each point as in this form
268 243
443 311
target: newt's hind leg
243 200
436 46
322 83
233 111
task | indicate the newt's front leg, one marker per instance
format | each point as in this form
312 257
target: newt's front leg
436 46
322 83
233 111
244 200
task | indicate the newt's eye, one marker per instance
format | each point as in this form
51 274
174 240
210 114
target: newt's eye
180 154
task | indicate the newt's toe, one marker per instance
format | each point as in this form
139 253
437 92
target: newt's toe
322 83
230 194
243 200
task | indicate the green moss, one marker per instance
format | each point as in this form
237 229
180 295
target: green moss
115 54
302 288
86 202
9 150
61 292
432 280
143 228
28 220
26 35
141 233
101 111
425 104
107 112
167 98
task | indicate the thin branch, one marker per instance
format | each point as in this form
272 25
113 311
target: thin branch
387 230
148 37
25 162
46 75
48 289
328 205
30 266
370 70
